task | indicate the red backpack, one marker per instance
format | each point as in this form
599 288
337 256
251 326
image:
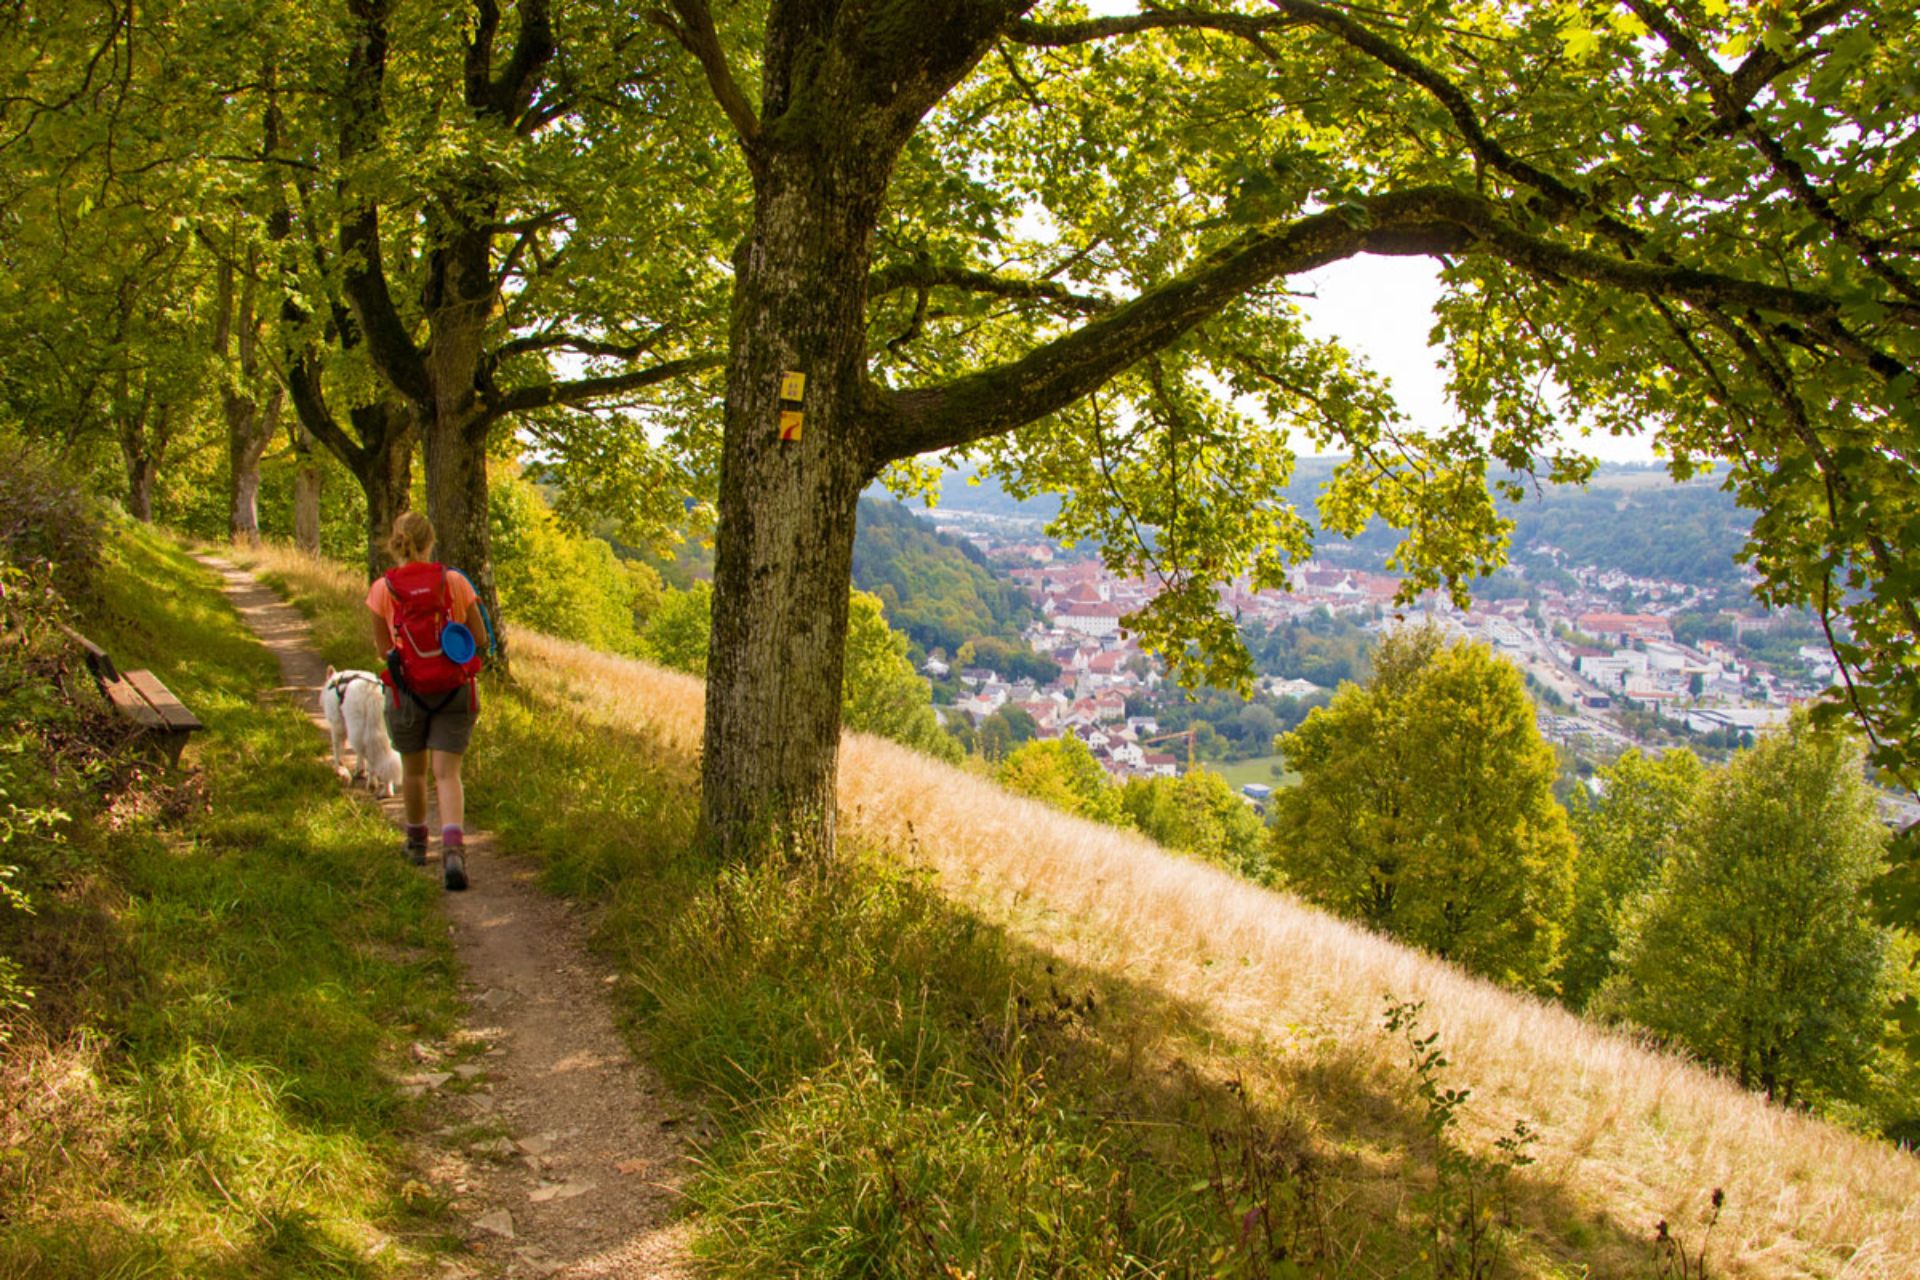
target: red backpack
422 608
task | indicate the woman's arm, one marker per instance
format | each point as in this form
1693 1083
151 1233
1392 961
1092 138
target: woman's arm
382 636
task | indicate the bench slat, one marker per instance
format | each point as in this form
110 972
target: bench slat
169 708
127 701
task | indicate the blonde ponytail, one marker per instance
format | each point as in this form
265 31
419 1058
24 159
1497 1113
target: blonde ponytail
411 539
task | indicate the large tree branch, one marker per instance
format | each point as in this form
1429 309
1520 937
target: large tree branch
695 31
1554 261
389 345
1732 96
1560 194
310 405
511 94
562 340
1053 376
1454 99
364 279
584 390
1425 220
1744 82
1055 35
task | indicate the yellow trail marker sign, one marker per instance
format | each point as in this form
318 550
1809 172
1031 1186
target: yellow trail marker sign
793 389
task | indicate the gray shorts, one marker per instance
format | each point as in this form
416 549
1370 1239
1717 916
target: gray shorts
412 730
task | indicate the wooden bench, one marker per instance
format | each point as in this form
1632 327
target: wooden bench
140 697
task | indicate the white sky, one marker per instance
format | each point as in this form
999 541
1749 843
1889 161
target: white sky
1381 308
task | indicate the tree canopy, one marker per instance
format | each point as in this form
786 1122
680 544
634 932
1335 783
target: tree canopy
1425 808
1754 949
1035 238
1626 833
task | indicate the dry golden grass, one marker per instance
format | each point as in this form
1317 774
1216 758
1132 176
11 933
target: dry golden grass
1628 1136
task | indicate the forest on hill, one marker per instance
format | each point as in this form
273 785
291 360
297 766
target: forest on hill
1650 527
937 588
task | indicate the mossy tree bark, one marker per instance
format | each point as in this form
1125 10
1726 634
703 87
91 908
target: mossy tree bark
784 552
309 483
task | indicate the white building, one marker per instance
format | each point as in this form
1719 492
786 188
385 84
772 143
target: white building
1089 619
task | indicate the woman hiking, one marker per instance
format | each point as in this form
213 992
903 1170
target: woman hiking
431 699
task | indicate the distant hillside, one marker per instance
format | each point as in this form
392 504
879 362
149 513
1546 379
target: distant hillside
935 587
1683 533
1631 518
989 499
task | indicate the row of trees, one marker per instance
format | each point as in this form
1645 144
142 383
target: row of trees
1725 911
986 226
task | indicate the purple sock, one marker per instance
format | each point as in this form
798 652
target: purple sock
416 833
453 838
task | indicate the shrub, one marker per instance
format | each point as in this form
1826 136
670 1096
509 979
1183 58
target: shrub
46 518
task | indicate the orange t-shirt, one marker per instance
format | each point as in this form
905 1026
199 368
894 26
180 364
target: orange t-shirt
460 596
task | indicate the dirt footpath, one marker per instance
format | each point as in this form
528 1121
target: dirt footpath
559 1153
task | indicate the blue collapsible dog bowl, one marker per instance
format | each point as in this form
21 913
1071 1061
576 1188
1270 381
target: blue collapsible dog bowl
457 642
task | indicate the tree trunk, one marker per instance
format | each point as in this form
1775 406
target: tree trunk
248 430
307 481
784 552
143 439
387 481
457 503
461 297
140 473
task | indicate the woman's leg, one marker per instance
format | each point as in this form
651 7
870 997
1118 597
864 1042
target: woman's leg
413 787
453 812
449 789
413 800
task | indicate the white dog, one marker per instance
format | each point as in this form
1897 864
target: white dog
353 702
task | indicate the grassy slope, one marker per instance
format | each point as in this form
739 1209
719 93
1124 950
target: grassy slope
228 966
1064 1050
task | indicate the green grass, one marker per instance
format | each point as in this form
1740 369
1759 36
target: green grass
1258 769
229 961
899 1088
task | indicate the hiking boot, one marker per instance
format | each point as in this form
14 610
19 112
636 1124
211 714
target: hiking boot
417 852
453 869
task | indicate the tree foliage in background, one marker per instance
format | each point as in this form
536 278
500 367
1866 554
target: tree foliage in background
561 583
881 693
1201 814
1625 833
1004 731
676 634
1063 773
1754 949
1425 809
1322 648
